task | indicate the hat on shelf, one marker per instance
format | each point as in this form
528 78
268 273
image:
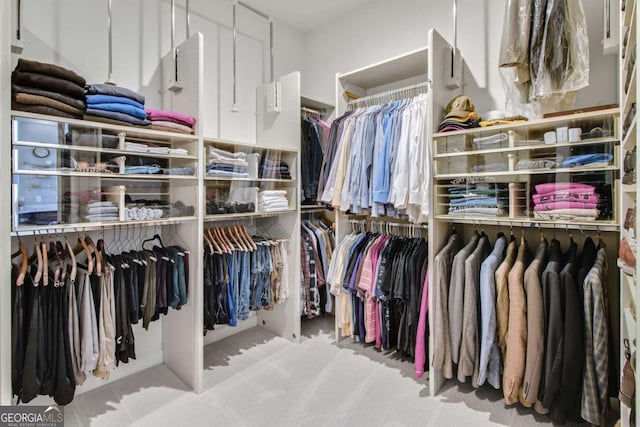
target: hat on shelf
460 106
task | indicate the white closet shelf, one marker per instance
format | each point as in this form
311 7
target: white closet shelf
532 223
148 177
527 172
226 217
132 131
401 67
101 150
315 104
531 147
217 141
227 179
629 188
538 124
95 226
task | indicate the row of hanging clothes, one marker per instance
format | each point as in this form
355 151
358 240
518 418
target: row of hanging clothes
242 273
314 134
376 161
73 307
380 280
317 243
532 323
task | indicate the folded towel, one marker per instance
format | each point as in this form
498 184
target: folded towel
53 84
161 115
121 117
178 151
216 153
26 98
50 70
564 205
61 97
120 108
104 89
110 99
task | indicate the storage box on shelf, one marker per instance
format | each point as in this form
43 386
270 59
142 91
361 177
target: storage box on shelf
238 175
491 173
78 173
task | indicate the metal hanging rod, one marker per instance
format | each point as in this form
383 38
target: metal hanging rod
389 95
234 108
311 110
383 223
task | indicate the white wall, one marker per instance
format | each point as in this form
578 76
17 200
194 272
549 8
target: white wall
383 29
73 33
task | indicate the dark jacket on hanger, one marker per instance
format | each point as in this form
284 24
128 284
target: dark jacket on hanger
554 327
570 393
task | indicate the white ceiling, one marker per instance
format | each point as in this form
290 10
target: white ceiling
305 15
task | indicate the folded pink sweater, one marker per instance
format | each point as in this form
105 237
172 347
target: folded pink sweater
160 115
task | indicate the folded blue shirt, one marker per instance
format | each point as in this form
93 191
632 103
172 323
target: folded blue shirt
104 89
586 159
121 108
109 99
474 201
114 115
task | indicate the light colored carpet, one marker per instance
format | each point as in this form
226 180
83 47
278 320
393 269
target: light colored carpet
257 379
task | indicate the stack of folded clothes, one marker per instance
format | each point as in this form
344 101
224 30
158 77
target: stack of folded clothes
550 162
97 211
224 164
170 121
491 142
273 200
566 200
114 104
43 88
597 159
274 169
476 200
460 115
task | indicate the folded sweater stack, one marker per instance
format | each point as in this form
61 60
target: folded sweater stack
116 105
170 121
43 88
567 201
273 200
476 200
225 164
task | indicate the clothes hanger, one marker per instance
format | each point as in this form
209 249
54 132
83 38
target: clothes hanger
81 246
222 239
233 231
45 263
207 241
96 253
72 257
242 238
22 251
247 236
38 255
233 239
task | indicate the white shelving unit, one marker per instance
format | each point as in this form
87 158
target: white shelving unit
628 79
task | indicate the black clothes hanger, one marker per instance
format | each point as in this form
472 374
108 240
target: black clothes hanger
155 237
